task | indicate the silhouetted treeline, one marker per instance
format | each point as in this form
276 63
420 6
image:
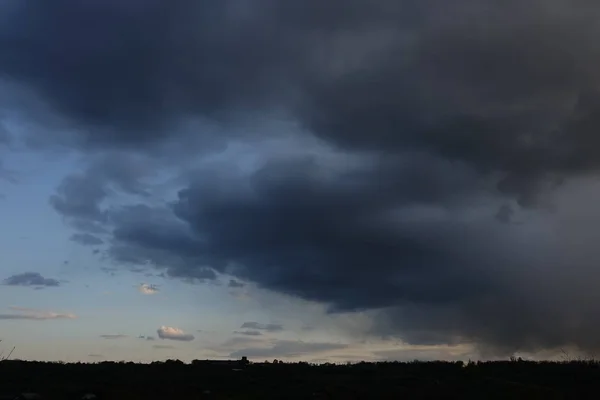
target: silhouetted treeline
174 379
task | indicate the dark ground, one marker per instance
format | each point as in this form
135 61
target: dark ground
416 380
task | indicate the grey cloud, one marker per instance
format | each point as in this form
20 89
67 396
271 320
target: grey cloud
86 239
262 327
235 284
95 355
30 279
80 197
137 226
287 348
332 226
336 238
505 213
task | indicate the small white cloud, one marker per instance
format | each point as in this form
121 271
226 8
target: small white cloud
146 288
170 333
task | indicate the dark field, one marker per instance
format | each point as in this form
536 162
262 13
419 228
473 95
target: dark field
416 380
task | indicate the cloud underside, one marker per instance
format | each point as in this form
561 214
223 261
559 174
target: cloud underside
434 165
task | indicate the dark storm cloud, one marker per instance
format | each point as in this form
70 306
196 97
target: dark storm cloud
439 271
325 238
509 88
469 111
137 226
149 68
30 279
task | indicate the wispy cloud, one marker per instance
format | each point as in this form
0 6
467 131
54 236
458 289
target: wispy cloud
33 314
170 333
113 336
30 279
248 333
162 346
262 327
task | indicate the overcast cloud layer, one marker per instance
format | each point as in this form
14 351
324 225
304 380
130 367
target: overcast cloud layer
431 162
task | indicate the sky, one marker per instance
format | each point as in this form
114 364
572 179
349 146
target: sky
299 180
